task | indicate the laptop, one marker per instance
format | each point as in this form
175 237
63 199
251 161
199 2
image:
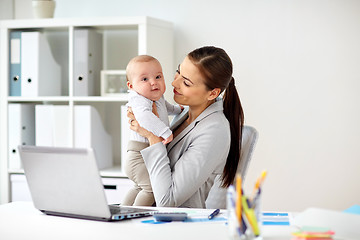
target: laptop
66 182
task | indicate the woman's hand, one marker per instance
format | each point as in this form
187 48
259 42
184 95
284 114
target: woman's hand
134 125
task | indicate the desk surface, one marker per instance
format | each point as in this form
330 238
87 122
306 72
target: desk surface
20 220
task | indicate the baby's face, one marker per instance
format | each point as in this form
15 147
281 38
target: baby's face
147 79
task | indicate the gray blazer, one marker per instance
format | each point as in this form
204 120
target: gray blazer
183 172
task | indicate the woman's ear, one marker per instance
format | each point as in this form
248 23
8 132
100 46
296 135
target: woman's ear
214 93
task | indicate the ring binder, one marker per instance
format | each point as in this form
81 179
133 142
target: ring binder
38 67
15 64
87 62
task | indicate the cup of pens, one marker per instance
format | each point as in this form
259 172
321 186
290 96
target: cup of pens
244 212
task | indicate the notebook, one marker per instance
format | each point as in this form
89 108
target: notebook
66 182
345 225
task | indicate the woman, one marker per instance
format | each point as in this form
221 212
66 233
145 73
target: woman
206 140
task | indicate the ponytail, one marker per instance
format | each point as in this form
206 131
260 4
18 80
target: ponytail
235 115
217 69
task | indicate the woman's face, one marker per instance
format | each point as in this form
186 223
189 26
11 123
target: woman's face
189 87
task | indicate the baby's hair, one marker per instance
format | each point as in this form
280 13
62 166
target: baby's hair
139 58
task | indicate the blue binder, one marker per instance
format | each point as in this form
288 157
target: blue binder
15 63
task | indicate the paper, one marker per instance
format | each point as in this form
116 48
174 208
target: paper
273 218
354 209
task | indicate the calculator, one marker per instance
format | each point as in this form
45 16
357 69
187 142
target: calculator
170 216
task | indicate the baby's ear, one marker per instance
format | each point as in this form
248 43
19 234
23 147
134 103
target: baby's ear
129 85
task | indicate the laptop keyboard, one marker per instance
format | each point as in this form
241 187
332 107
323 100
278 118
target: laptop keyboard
116 209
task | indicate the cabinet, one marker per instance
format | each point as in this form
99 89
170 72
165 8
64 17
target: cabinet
118 40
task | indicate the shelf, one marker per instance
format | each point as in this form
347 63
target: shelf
122 98
16 171
114 171
99 23
38 99
122 38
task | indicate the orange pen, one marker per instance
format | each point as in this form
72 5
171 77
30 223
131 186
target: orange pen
238 198
258 183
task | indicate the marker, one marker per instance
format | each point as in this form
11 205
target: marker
213 214
258 183
256 199
250 215
238 199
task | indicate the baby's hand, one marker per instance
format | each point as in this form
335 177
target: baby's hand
169 139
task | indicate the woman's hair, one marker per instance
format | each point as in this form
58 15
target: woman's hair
216 66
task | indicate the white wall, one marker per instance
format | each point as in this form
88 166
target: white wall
296 65
6 9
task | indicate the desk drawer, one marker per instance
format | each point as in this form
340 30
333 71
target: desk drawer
116 188
19 188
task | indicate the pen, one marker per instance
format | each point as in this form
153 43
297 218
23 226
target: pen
256 199
250 215
258 183
213 214
238 197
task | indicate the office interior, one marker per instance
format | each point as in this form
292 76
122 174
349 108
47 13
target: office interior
296 66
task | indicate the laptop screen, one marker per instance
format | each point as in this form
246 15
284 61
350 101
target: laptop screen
64 180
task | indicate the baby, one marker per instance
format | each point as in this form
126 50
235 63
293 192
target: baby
146 85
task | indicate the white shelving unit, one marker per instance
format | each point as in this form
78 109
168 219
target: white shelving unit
123 38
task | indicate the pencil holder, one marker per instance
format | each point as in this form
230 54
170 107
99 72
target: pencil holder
248 226
233 223
258 213
256 205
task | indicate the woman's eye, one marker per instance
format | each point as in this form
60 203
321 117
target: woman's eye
186 84
177 71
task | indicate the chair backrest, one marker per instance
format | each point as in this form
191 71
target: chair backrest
217 194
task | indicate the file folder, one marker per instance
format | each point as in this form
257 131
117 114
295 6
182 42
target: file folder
52 126
15 63
125 135
87 62
21 130
40 73
52 129
90 132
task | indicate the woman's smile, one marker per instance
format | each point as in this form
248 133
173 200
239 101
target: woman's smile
176 92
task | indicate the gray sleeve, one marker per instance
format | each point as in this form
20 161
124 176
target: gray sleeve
208 147
172 109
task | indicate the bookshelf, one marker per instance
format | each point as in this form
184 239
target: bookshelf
122 39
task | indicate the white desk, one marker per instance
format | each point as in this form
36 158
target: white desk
20 220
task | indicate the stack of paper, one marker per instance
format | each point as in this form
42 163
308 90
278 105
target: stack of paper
313 233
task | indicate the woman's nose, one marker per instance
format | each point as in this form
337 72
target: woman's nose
175 81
